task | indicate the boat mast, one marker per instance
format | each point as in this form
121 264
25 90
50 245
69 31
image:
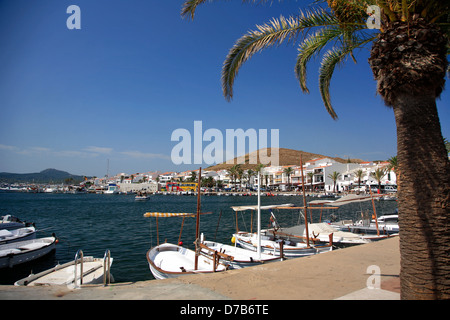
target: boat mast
197 236
258 249
374 211
304 202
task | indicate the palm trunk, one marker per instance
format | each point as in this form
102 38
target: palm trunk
424 199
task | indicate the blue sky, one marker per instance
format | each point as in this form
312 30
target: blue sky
136 71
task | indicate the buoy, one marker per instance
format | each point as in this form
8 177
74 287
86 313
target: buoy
233 240
180 243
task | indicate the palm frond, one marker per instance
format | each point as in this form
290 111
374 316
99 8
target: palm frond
311 46
189 6
273 33
330 60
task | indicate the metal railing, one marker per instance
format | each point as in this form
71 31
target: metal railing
79 253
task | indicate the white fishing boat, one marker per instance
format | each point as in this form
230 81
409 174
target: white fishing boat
321 232
273 242
82 270
241 258
12 254
169 260
371 229
20 234
386 225
10 222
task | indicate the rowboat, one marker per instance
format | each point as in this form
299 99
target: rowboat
82 270
171 261
20 234
10 222
242 258
12 254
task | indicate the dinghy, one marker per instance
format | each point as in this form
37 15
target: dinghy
15 253
20 234
86 270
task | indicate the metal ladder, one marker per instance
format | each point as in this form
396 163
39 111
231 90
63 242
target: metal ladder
107 265
106 268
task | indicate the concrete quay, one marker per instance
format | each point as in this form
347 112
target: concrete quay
342 274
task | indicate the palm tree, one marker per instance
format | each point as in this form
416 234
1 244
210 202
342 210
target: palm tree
359 174
193 176
311 177
409 61
288 171
250 174
378 174
334 176
393 165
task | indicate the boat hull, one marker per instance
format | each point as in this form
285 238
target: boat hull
242 258
16 253
21 234
273 247
93 272
172 261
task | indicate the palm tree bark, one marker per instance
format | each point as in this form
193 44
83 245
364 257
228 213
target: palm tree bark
424 199
409 62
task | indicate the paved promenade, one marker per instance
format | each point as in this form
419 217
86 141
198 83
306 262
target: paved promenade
341 274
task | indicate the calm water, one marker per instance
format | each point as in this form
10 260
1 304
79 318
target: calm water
94 223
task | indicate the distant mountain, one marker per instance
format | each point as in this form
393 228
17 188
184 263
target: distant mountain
286 157
45 176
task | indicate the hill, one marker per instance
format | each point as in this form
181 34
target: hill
286 157
45 176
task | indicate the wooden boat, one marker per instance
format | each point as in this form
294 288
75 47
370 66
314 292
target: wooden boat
86 270
242 258
374 229
271 243
15 253
10 222
170 260
20 234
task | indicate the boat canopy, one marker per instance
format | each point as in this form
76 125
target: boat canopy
255 207
344 200
167 214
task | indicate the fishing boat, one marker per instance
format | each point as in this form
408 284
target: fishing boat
12 254
20 234
242 258
385 225
82 270
371 229
269 243
170 261
10 222
321 232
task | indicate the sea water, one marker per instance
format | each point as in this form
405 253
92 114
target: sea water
97 222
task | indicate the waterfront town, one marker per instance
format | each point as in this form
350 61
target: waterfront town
321 176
